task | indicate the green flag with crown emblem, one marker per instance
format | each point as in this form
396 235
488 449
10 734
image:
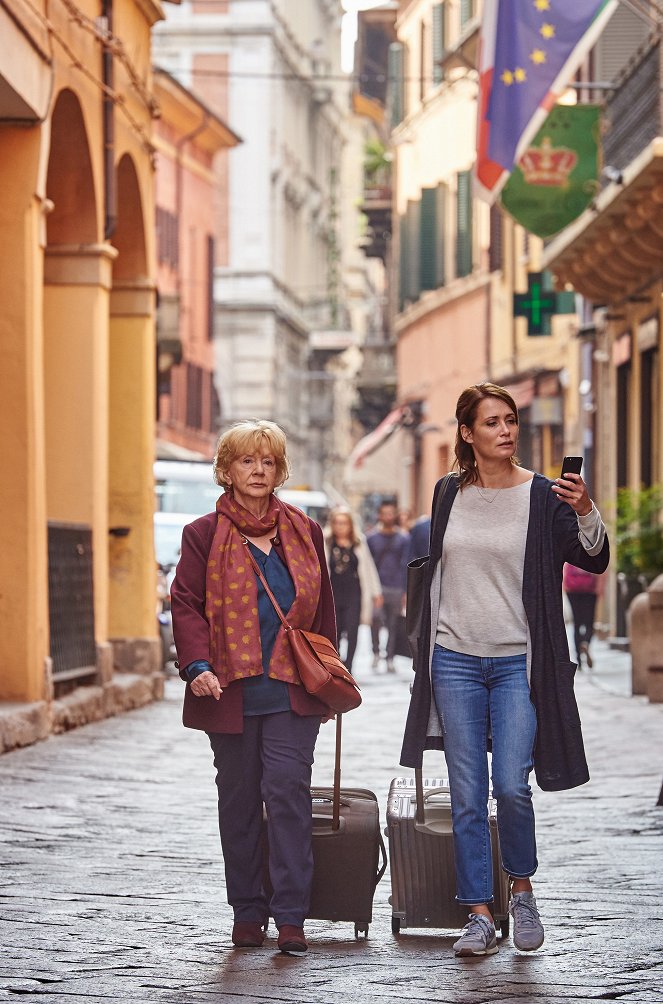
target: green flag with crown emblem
557 176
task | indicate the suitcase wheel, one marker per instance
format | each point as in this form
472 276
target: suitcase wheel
361 929
504 927
395 925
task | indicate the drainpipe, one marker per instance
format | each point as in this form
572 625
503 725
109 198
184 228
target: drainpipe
108 120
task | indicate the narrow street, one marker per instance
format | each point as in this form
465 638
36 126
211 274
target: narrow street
112 883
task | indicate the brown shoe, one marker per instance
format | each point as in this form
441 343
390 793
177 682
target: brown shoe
247 934
291 939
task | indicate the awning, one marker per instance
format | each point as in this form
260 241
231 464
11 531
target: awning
165 450
613 249
522 392
374 439
378 461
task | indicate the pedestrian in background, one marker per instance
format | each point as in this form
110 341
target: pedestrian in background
388 545
405 520
354 578
419 543
582 589
242 682
493 655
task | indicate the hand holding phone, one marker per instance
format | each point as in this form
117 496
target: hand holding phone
571 465
570 491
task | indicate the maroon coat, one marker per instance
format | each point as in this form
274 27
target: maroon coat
191 630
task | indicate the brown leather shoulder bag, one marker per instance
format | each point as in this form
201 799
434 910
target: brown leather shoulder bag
320 668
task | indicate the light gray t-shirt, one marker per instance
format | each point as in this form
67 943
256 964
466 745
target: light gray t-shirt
483 558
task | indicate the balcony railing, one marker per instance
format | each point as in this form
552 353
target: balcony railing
633 110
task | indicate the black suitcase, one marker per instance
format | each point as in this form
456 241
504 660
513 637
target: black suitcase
349 856
421 853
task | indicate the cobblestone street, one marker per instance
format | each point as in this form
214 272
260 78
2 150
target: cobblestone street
112 882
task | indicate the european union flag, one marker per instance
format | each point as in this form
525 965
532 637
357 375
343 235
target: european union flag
529 52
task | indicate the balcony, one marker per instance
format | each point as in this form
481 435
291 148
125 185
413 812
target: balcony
376 207
613 250
633 111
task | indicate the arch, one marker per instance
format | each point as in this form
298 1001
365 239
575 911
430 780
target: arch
129 237
69 179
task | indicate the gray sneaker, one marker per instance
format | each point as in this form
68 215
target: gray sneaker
478 937
527 926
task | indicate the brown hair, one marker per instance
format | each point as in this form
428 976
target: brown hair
341 510
466 413
251 436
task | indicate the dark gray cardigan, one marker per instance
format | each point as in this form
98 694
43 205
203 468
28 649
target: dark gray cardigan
552 539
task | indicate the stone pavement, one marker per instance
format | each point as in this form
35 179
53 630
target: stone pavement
111 886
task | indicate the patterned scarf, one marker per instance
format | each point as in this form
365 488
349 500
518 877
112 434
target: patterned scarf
232 590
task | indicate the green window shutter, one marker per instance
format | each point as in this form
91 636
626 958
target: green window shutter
427 239
403 261
395 66
409 255
439 42
466 12
495 252
464 224
441 235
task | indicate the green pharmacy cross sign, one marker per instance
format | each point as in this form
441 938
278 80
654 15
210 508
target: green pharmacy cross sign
540 302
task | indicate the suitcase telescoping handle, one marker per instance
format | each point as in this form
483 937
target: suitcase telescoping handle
419 793
336 804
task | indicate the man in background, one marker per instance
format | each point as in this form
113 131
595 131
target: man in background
389 547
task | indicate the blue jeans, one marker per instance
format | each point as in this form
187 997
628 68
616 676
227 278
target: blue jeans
475 694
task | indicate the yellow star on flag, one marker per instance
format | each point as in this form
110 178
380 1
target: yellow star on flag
507 78
519 75
542 4
547 30
538 56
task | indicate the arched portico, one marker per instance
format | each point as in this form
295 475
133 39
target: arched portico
77 279
132 615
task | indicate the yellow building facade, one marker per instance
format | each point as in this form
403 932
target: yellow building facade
78 636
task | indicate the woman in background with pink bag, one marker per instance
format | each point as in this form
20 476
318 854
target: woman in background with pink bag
582 589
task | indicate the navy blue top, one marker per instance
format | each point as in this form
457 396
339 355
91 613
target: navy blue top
390 551
262 695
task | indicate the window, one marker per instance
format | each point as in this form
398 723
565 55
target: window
409 257
466 12
396 83
495 257
431 237
194 396
167 237
464 224
439 41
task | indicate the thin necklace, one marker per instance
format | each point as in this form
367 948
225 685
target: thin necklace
489 499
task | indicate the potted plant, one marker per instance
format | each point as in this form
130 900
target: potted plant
639 541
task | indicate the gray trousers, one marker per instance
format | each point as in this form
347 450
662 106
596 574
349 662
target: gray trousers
387 616
268 763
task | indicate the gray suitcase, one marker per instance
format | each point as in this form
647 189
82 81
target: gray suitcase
421 856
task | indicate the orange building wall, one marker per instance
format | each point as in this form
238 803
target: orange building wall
190 199
438 356
211 83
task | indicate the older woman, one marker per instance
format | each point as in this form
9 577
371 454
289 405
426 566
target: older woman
354 578
242 683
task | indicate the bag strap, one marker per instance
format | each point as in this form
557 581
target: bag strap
336 802
256 569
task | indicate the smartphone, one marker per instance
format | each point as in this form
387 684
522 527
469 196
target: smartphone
571 465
